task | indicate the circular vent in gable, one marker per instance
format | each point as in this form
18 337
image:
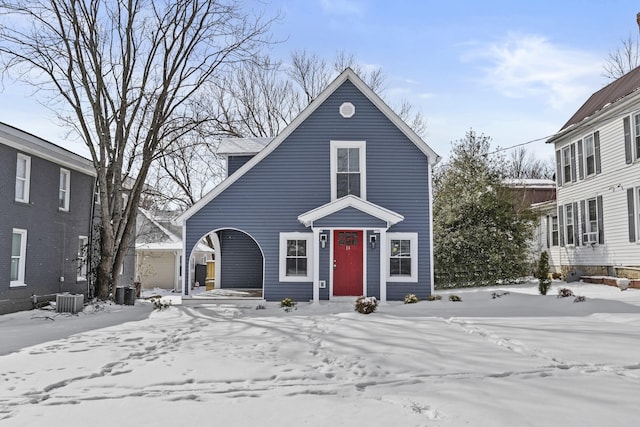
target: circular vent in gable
347 110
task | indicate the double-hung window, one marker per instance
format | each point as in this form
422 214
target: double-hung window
23 178
63 193
296 260
83 244
566 164
569 231
590 155
554 230
592 216
18 257
403 257
348 175
636 122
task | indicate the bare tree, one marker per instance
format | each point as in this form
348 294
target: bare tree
522 165
622 60
124 74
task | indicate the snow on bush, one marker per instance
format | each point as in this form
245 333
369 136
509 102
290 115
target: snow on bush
580 299
159 303
434 297
410 299
455 298
564 293
288 304
366 305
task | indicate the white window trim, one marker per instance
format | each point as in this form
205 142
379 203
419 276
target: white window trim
563 164
67 181
27 178
557 231
413 238
84 241
585 164
362 145
566 225
23 257
283 256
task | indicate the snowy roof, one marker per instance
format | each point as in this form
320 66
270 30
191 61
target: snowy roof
247 146
529 183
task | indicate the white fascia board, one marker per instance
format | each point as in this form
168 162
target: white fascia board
38 147
168 233
347 74
383 214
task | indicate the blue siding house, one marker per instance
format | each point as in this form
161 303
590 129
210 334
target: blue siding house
46 200
337 205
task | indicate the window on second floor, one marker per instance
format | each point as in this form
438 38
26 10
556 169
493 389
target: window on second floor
590 155
566 164
23 178
63 193
348 174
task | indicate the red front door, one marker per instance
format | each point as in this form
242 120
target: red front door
347 263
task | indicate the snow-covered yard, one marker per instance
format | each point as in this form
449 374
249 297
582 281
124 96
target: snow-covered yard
518 359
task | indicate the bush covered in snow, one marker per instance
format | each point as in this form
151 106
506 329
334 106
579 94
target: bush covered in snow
564 293
434 297
580 299
288 304
158 303
410 299
366 305
455 298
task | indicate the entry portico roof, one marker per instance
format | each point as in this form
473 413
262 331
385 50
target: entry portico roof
350 201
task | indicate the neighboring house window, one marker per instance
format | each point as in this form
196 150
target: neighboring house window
18 257
569 225
296 260
554 230
63 193
23 177
403 257
590 155
636 120
592 216
83 245
348 160
566 164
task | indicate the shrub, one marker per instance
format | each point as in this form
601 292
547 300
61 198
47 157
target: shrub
158 304
288 304
495 295
366 305
580 299
261 307
542 273
410 299
455 298
434 297
564 293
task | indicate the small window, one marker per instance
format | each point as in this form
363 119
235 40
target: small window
569 224
636 119
23 178
348 160
296 260
592 216
566 164
590 155
83 246
554 230
403 257
18 257
63 193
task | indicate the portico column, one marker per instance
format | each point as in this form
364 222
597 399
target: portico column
316 265
383 265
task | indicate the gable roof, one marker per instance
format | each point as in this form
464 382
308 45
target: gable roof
605 97
347 74
350 201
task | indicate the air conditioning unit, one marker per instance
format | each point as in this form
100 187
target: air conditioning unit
590 238
69 303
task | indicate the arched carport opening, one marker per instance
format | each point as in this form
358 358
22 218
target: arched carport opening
238 263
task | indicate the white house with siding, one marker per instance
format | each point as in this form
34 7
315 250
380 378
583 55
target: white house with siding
595 227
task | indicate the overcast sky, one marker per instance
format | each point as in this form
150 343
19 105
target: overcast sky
513 70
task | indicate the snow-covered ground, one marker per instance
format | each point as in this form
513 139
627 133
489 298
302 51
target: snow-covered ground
493 359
